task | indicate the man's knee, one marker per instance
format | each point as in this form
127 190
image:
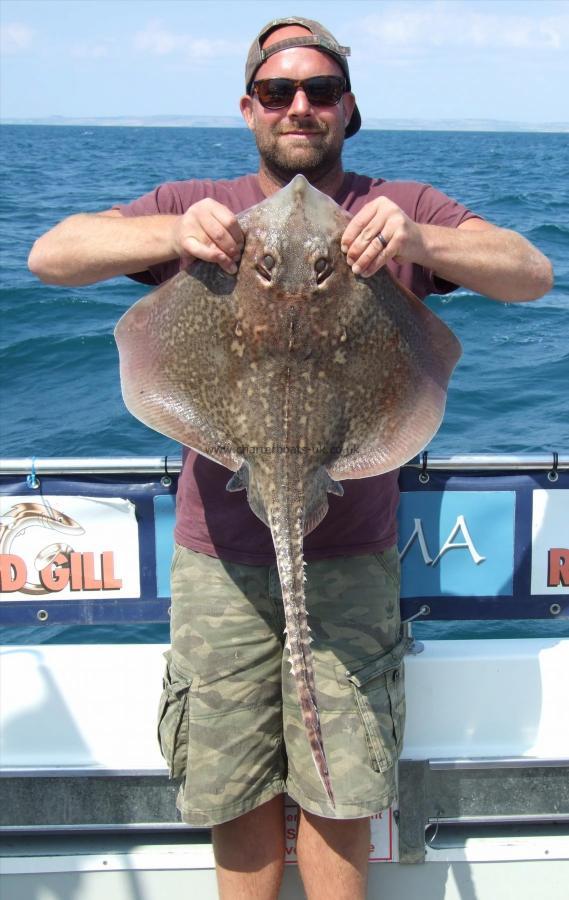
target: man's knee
343 835
253 840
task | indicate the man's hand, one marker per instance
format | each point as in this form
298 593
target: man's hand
209 231
479 256
362 242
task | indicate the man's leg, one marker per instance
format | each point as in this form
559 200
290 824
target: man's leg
249 854
333 856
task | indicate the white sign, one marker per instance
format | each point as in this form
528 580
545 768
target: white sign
382 839
68 548
550 542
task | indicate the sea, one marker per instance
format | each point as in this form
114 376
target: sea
60 383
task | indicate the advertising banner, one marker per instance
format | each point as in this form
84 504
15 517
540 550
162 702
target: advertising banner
457 543
484 545
550 542
97 548
67 547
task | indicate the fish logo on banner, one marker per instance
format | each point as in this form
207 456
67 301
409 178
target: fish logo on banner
95 555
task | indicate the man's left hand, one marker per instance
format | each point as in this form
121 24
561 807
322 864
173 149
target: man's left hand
381 231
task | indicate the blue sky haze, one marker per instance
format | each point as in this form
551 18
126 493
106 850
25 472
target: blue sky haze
433 59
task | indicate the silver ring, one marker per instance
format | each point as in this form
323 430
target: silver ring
382 240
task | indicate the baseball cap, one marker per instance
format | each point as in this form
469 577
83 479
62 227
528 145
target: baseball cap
319 37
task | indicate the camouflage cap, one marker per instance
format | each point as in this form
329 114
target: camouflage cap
319 37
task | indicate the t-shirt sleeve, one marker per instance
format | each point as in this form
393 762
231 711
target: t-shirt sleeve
435 208
163 200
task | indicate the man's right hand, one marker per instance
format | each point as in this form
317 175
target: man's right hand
209 231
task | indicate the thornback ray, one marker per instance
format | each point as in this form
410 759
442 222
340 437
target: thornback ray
294 374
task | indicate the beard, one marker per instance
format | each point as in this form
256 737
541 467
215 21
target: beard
314 159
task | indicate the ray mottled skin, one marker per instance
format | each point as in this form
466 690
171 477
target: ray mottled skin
293 374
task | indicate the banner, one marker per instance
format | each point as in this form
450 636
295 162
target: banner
68 547
550 542
480 545
457 543
97 548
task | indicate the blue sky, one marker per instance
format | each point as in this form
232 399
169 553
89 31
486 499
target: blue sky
435 59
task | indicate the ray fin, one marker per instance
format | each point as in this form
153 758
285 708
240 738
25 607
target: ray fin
238 481
404 338
169 375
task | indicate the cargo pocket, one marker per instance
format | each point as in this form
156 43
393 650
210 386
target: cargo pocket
390 563
173 719
175 556
379 691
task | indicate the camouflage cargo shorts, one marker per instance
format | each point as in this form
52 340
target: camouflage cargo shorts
229 721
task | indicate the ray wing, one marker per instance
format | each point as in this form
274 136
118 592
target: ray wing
176 362
396 377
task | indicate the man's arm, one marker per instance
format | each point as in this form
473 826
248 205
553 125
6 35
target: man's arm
91 247
492 261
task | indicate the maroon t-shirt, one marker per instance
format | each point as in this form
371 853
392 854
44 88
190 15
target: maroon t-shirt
211 520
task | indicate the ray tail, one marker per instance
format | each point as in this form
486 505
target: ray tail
287 527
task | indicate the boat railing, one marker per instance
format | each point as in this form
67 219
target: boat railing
483 462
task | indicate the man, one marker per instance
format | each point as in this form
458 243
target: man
227 644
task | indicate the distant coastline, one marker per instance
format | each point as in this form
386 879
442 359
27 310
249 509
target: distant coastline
236 122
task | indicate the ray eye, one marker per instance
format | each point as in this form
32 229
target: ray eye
264 266
322 269
263 273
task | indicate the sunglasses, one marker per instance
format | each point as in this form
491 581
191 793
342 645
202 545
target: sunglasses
322 90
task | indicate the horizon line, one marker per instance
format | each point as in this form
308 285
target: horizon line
212 121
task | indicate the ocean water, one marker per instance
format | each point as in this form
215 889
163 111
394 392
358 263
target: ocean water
61 393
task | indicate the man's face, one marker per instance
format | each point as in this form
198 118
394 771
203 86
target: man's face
301 137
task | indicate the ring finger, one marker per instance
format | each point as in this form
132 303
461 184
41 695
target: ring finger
367 236
373 257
